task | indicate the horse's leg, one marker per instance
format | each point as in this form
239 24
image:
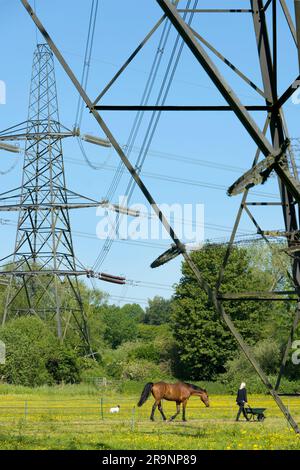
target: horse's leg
184 403
161 411
153 410
177 411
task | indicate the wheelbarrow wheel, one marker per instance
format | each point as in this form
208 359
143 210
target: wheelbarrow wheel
261 418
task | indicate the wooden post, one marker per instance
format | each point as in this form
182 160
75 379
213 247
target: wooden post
101 408
133 419
25 409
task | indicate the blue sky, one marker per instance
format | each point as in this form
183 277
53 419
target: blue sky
215 146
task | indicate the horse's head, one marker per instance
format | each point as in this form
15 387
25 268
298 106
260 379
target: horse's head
204 397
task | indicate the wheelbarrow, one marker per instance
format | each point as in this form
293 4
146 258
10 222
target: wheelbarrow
256 414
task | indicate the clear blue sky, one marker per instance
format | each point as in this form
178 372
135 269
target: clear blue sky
218 139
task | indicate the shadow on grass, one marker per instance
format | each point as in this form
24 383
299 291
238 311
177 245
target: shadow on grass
176 430
21 441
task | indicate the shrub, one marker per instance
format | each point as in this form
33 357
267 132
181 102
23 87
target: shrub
34 356
63 366
119 327
143 370
267 353
90 370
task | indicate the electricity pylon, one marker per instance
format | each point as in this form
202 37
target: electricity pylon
43 261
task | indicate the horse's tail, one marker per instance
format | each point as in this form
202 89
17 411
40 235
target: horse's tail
145 393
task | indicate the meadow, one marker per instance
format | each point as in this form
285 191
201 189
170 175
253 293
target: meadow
77 417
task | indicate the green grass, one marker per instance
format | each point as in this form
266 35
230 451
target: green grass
69 417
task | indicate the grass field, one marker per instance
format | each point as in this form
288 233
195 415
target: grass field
73 418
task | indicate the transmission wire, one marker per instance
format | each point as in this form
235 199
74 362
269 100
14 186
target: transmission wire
149 135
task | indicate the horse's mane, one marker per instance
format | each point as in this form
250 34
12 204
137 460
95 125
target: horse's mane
195 387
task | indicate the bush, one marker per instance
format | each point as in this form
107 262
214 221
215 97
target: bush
268 355
144 370
34 356
131 361
90 370
27 341
119 326
63 366
140 350
151 332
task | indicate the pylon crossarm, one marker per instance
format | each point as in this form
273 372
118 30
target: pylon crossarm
141 107
47 207
43 272
37 136
22 131
214 10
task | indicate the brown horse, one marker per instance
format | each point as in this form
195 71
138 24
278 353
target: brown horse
179 392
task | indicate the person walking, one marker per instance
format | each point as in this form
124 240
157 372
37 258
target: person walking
241 401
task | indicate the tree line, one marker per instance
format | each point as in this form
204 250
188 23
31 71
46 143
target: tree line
181 337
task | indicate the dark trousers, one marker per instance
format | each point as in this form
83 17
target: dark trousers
241 410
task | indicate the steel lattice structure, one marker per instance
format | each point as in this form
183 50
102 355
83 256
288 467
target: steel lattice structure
42 273
44 253
274 155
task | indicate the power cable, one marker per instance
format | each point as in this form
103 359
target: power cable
162 96
87 60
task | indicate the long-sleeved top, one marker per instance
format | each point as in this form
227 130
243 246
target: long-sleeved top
241 397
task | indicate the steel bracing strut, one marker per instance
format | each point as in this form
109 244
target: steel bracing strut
289 185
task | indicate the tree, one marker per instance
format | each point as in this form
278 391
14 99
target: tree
158 311
119 326
204 343
134 311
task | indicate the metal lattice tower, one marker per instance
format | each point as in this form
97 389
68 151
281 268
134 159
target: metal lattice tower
44 256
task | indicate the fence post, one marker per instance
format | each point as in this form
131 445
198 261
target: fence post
101 408
133 419
25 409
288 408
